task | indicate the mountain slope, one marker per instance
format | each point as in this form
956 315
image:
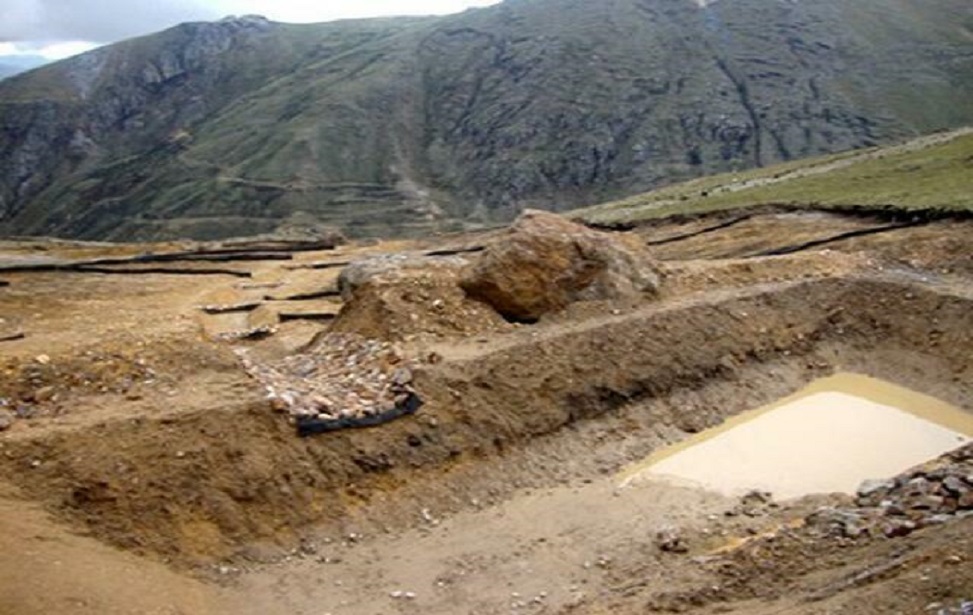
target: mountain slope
403 125
930 175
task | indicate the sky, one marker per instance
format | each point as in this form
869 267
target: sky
58 28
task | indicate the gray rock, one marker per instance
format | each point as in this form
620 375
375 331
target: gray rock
966 501
7 419
838 522
927 502
900 528
402 376
955 485
920 485
669 540
874 485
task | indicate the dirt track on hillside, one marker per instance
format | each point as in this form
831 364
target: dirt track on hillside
141 430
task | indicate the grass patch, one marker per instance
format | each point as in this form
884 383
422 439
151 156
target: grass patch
930 173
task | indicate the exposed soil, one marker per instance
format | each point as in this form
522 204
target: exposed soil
139 445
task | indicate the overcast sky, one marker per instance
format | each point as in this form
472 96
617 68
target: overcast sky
58 28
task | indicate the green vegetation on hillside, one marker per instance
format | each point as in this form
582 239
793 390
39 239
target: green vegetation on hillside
930 173
400 126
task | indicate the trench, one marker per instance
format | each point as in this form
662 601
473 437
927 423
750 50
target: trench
158 270
110 269
455 251
816 243
271 251
306 296
315 316
323 265
248 306
704 231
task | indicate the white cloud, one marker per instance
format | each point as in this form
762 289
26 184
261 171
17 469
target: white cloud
105 21
57 28
65 49
298 11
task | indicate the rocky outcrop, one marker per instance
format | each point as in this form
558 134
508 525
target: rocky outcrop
545 262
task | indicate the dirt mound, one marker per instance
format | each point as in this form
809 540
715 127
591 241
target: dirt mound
403 297
62 386
391 268
545 262
541 264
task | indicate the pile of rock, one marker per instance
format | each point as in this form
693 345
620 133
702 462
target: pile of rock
343 376
935 492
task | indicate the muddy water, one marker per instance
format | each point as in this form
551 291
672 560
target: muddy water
825 438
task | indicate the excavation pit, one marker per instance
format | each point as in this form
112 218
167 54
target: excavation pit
826 438
159 444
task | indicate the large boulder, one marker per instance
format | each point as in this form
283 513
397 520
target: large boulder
545 262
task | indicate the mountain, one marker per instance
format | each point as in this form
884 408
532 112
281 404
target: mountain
405 125
12 65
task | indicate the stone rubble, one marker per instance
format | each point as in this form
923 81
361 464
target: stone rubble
342 376
935 492
754 503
